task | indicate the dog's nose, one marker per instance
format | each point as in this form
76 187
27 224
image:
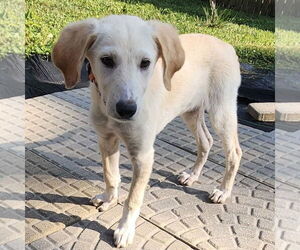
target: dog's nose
126 109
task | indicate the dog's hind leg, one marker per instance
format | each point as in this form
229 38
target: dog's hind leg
195 121
224 120
109 148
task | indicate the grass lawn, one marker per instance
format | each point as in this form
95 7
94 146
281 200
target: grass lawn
288 43
12 27
252 36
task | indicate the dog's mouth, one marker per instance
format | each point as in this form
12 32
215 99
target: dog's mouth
114 116
121 120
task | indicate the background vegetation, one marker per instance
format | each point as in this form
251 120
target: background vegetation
252 36
11 27
288 42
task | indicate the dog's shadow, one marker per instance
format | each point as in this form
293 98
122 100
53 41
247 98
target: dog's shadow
41 214
173 183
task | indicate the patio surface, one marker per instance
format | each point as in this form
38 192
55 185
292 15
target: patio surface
63 171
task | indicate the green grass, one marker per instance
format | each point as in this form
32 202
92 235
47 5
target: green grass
288 43
252 36
12 27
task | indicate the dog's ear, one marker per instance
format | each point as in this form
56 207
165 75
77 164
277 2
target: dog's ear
170 50
70 50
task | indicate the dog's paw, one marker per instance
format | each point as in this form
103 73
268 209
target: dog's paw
123 236
187 179
219 195
102 202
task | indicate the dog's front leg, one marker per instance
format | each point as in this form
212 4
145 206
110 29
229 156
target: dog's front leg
109 148
142 166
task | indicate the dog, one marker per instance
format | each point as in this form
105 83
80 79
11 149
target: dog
143 75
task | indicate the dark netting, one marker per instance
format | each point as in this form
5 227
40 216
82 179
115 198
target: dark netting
11 76
42 77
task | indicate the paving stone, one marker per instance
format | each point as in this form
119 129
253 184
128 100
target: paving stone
195 236
146 230
185 211
187 200
59 238
79 245
215 230
245 243
66 190
165 193
89 235
227 218
164 218
268 237
15 244
147 212
176 228
42 244
31 235
176 245
223 243
289 224
205 246
152 244
73 230
292 237
251 201
293 247
264 195
247 232
7 235
163 204
238 210
269 247
269 215
246 220
163 237
46 227
192 222
112 215
266 224
77 211
67 246
289 112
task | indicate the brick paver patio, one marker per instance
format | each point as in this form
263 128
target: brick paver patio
63 171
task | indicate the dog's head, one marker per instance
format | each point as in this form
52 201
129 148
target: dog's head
122 51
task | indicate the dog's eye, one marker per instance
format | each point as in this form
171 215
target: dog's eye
108 61
145 63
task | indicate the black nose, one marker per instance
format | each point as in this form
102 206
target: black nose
126 109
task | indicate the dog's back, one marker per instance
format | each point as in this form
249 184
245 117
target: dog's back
210 74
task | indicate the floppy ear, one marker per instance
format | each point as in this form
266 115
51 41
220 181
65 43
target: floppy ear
69 51
170 50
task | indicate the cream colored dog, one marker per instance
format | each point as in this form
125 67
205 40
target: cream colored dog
146 75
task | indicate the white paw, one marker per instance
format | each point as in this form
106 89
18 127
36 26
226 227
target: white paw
219 195
103 202
123 236
187 179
